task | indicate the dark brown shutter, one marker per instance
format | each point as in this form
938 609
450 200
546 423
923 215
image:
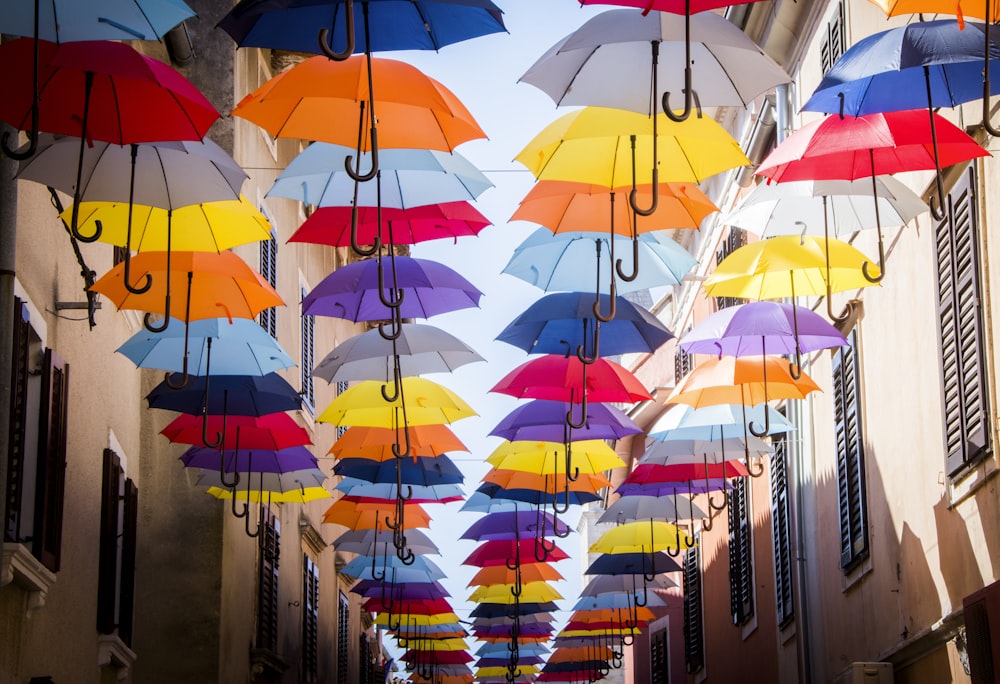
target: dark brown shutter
781 532
740 554
130 528
659 658
852 500
18 422
268 318
310 620
694 646
343 638
966 409
267 582
47 541
107 578
737 238
308 329
835 42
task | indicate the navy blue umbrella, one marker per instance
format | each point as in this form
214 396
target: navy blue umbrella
632 564
234 395
421 470
533 496
502 609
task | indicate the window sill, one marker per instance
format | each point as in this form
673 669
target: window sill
112 653
749 627
852 577
266 665
964 486
22 569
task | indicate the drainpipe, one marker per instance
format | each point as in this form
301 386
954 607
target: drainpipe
802 477
8 242
782 111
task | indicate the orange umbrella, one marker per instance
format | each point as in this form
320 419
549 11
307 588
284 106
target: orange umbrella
578 653
740 380
610 615
370 516
501 574
518 479
375 443
563 206
314 99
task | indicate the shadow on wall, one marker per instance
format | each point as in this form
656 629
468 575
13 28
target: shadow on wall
958 559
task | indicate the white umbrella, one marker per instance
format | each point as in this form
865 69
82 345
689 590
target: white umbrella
643 507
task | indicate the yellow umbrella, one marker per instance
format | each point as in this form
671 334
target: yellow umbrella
207 227
422 401
531 592
303 495
498 671
590 456
594 145
639 537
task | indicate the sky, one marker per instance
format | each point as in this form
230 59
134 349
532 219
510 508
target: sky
483 73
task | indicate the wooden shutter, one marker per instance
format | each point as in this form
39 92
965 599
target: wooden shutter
852 500
267 583
781 531
966 406
310 620
51 475
18 422
107 577
308 329
737 238
683 364
126 584
268 318
740 554
659 658
343 636
835 42
694 647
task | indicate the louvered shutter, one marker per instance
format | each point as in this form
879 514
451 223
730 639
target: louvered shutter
966 408
694 648
310 621
18 422
126 595
268 318
852 499
107 577
835 43
343 636
740 554
737 238
659 658
781 532
47 542
267 583
308 333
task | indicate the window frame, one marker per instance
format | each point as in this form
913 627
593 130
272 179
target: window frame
741 575
852 497
694 635
781 531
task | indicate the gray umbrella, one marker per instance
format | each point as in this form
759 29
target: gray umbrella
421 349
616 584
364 541
643 507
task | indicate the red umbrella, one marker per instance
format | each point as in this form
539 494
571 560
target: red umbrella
852 147
562 378
498 552
332 225
271 431
409 606
437 657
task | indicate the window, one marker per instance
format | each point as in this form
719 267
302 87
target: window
36 458
268 318
835 42
852 500
683 363
267 581
781 530
659 658
740 554
308 391
310 621
966 402
737 238
118 255
694 641
341 388
367 666
343 627
116 574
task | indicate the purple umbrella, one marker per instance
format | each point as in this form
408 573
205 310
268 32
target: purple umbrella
504 630
359 291
499 526
250 460
545 421
671 488
411 591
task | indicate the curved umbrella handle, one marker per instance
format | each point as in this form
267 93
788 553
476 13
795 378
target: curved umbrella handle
261 538
572 474
613 309
629 277
222 462
634 192
577 425
324 45
397 292
127 270
405 555
395 326
542 544
402 453
355 171
767 415
126 276
580 350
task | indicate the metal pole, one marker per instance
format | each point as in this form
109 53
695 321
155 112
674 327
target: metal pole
8 241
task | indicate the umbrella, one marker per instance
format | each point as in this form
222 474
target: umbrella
715 421
421 349
389 491
552 262
852 147
561 378
250 460
299 495
592 456
421 470
361 541
636 537
667 508
332 225
517 479
539 496
402 592
480 502
271 431
388 24
545 421
798 207
501 574
66 21
499 552
360 516
512 526
622 565
364 404
563 321
264 481
375 442
233 395
616 600
789 265
531 592
361 568
740 380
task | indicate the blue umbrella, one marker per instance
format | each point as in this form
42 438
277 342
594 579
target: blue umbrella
554 262
513 526
535 497
565 322
419 470
420 569
391 24
480 502
632 564
616 600
235 395
389 490
239 346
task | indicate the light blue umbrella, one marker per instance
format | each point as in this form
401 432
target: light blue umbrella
65 21
408 178
420 570
216 346
581 261
387 490
722 421
488 649
616 600
480 502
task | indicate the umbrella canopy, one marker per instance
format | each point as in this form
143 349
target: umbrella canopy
589 456
402 592
558 323
356 291
759 328
314 98
787 265
238 347
258 481
420 470
420 348
332 225
389 491
546 486
531 592
717 421
562 378
364 541
65 21
390 24
808 206
421 571
425 402
607 61
545 421
625 564
564 206
251 460
704 477
513 526
617 600
501 574
740 380
125 86
376 442
964 7
408 178
552 262
665 508
233 395
646 536
296 494
540 495
677 451
592 145
272 431
498 552
366 516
